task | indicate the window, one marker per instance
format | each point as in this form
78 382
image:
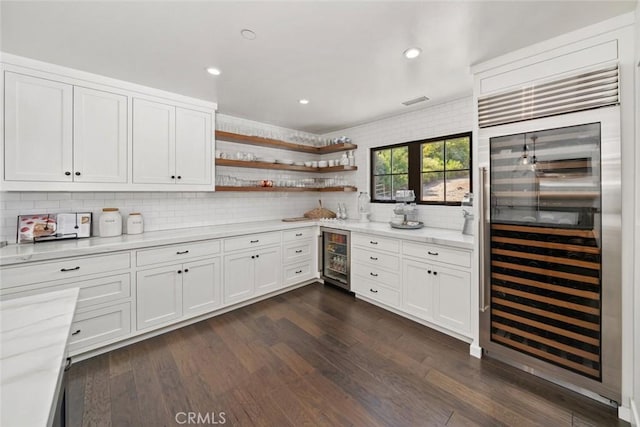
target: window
436 169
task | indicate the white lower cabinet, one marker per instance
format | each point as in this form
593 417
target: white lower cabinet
251 273
169 293
417 289
96 327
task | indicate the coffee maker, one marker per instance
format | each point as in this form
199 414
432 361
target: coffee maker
467 213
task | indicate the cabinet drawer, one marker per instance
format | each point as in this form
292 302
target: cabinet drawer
437 253
376 275
70 268
252 241
297 273
374 291
92 291
297 251
298 234
94 327
377 259
376 242
177 253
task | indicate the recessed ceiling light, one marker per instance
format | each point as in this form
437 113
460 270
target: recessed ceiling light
303 101
213 71
412 52
248 34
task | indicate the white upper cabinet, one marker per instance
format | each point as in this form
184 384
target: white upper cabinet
171 145
38 129
154 142
193 147
99 136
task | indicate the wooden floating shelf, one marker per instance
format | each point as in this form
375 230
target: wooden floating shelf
279 166
346 189
274 143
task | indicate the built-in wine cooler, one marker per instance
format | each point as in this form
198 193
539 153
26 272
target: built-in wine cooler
550 301
335 257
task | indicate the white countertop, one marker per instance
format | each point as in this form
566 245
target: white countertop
34 333
14 254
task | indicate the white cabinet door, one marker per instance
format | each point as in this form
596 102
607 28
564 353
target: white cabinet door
201 286
268 270
238 277
417 290
99 136
159 296
38 129
193 147
452 298
154 142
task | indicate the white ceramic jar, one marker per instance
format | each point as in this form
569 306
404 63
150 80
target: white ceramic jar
110 223
135 223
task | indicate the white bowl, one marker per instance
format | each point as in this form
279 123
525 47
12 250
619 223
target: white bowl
308 164
322 164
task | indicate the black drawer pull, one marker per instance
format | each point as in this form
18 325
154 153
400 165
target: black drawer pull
373 258
173 177
70 269
186 270
374 274
67 173
76 332
253 257
372 242
298 234
77 173
435 273
432 253
179 271
373 290
299 251
428 271
182 252
299 271
254 241
179 177
257 256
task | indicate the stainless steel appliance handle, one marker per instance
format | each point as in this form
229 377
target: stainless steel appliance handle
320 254
482 236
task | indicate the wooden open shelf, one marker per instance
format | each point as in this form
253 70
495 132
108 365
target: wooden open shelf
347 189
279 166
274 143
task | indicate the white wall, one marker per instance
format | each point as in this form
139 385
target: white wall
635 396
430 122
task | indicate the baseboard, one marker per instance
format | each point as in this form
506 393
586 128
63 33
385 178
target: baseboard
635 413
475 350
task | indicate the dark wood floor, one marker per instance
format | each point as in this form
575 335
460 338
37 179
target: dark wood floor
315 356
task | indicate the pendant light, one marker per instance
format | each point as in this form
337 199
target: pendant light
524 159
534 160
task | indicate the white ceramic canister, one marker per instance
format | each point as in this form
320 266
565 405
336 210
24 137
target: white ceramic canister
135 223
110 223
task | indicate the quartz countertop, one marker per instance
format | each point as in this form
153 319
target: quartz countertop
34 334
15 254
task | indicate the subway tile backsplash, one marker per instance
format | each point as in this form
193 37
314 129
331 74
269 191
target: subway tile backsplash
167 210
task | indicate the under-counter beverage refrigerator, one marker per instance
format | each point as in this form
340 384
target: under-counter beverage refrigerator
335 257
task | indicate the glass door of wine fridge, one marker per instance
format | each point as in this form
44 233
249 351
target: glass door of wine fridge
336 257
552 263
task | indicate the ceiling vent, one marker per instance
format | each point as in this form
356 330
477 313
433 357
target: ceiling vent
584 91
415 101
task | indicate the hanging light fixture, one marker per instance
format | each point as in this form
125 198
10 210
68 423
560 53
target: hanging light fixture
524 158
534 160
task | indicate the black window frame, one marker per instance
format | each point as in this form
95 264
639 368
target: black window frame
415 167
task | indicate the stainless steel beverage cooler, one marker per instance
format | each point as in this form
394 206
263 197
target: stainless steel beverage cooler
336 257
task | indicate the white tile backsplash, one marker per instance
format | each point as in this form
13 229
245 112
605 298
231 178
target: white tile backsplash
168 210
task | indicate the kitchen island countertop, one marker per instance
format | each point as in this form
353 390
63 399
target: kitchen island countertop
34 334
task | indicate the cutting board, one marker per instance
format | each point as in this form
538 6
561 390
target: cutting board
299 218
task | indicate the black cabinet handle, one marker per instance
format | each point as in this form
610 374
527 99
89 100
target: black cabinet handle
186 270
428 271
179 177
374 274
76 332
299 251
77 173
373 258
435 273
182 253
298 234
372 242
432 253
373 290
179 271
67 364
67 173
299 271
254 241
257 256
70 269
253 257
173 177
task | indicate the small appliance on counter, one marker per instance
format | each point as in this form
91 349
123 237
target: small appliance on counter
45 227
405 211
467 212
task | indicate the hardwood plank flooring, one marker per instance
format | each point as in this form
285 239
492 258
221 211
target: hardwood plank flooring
315 356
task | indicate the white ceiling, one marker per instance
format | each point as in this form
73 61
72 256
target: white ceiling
346 57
